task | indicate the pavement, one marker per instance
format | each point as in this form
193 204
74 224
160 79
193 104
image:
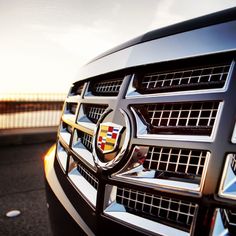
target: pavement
22 188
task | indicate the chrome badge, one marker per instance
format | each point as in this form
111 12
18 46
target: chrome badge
108 136
111 140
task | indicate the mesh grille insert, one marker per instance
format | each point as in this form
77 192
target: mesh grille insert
88 176
106 87
85 139
175 162
94 111
195 118
171 211
187 79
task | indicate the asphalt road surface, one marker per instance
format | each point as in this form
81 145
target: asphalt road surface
22 188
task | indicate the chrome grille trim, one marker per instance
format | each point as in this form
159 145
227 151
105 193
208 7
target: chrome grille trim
198 127
199 78
94 111
182 161
161 208
62 156
82 147
88 176
65 132
228 179
106 87
80 182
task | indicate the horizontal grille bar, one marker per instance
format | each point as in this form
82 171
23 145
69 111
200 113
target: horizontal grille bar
94 111
88 176
106 87
176 162
195 118
182 80
178 213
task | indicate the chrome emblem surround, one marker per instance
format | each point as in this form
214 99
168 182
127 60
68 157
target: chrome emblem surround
97 144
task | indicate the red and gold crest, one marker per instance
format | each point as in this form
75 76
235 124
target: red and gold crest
108 136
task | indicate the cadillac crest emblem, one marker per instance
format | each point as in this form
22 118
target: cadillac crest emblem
108 136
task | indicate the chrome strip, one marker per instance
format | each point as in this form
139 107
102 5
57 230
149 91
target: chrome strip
82 151
62 156
60 194
117 211
233 139
142 130
228 181
168 184
86 189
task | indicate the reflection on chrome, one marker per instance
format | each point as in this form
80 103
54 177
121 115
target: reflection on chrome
171 167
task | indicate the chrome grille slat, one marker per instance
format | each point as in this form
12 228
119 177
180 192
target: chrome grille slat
186 79
88 176
158 207
179 161
94 111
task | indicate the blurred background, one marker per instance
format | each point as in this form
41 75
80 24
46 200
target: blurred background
43 44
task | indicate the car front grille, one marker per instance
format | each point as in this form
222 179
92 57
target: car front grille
181 80
187 118
168 174
167 210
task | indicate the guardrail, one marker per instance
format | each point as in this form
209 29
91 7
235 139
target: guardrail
30 110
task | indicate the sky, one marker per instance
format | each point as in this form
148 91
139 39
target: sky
43 43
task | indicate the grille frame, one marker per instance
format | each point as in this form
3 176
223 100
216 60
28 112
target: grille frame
142 176
189 77
153 198
94 111
143 133
133 93
91 91
118 212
